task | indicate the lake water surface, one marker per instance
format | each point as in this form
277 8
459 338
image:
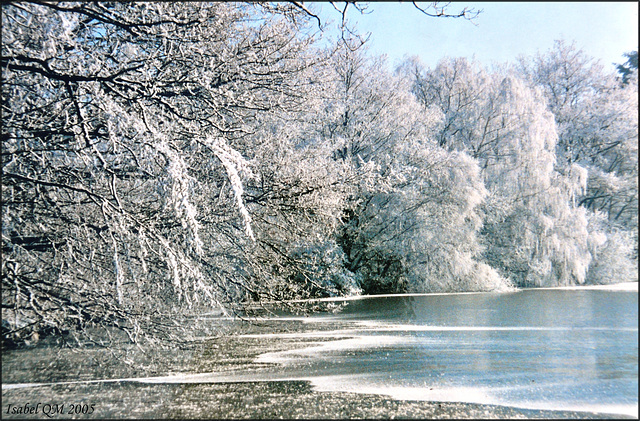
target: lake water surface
557 349
547 349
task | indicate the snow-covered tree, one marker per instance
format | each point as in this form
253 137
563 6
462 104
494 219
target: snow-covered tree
542 239
597 120
412 219
128 133
533 230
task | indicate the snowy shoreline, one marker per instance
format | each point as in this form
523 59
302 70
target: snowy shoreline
623 286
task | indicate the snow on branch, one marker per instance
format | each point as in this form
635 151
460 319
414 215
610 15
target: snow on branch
233 162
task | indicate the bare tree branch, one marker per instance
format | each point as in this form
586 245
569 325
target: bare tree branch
301 6
440 11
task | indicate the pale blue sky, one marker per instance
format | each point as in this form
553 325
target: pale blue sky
604 30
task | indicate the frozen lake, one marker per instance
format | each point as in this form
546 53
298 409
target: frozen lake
570 349
560 349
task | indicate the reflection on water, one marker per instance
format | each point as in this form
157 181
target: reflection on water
542 349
